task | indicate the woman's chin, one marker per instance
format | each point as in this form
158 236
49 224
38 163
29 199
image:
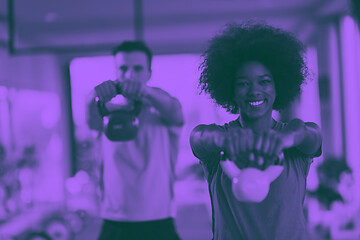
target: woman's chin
255 115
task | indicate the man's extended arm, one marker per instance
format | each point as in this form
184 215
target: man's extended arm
93 117
169 107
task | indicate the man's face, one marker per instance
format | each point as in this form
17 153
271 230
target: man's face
254 90
132 66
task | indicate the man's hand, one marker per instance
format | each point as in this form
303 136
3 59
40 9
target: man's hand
134 90
106 91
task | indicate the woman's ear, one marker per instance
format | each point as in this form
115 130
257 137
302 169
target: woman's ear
234 108
274 103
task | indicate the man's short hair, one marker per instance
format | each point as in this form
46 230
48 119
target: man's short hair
134 46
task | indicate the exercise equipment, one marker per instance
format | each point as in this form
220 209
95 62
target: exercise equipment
76 220
37 236
122 124
58 229
250 184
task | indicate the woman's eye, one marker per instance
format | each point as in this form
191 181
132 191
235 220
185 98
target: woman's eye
265 81
242 84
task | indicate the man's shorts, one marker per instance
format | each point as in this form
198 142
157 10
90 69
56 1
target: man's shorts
148 230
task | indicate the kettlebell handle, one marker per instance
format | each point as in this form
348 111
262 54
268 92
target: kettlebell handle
118 87
105 112
230 167
249 184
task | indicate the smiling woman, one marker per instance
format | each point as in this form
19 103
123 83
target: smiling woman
252 69
279 52
255 78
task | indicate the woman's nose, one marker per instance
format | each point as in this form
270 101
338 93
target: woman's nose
254 89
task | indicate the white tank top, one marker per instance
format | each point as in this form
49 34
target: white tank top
138 175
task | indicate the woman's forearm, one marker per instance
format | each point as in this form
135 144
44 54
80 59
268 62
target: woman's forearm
306 136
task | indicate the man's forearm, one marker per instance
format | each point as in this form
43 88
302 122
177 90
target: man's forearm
93 117
169 107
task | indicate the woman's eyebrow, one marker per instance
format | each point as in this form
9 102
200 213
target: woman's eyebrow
265 75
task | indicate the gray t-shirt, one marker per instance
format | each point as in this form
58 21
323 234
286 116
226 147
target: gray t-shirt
279 217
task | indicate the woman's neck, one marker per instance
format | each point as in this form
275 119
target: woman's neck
258 125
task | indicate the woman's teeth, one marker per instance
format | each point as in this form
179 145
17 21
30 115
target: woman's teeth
256 103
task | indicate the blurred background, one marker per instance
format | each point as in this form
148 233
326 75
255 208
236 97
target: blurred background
53 52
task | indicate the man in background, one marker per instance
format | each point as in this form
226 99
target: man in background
138 174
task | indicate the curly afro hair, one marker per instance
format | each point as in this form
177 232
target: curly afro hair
279 51
355 9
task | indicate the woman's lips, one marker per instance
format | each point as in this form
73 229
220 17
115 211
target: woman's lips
256 103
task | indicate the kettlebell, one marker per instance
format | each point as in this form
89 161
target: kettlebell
123 124
250 184
57 228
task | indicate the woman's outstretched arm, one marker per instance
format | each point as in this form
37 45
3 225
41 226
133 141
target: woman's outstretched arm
206 141
306 136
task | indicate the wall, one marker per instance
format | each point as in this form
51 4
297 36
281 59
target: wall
37 116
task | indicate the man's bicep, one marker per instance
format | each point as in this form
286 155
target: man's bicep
173 113
179 112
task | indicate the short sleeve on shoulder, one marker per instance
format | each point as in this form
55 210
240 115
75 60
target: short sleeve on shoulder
311 156
199 147
318 152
